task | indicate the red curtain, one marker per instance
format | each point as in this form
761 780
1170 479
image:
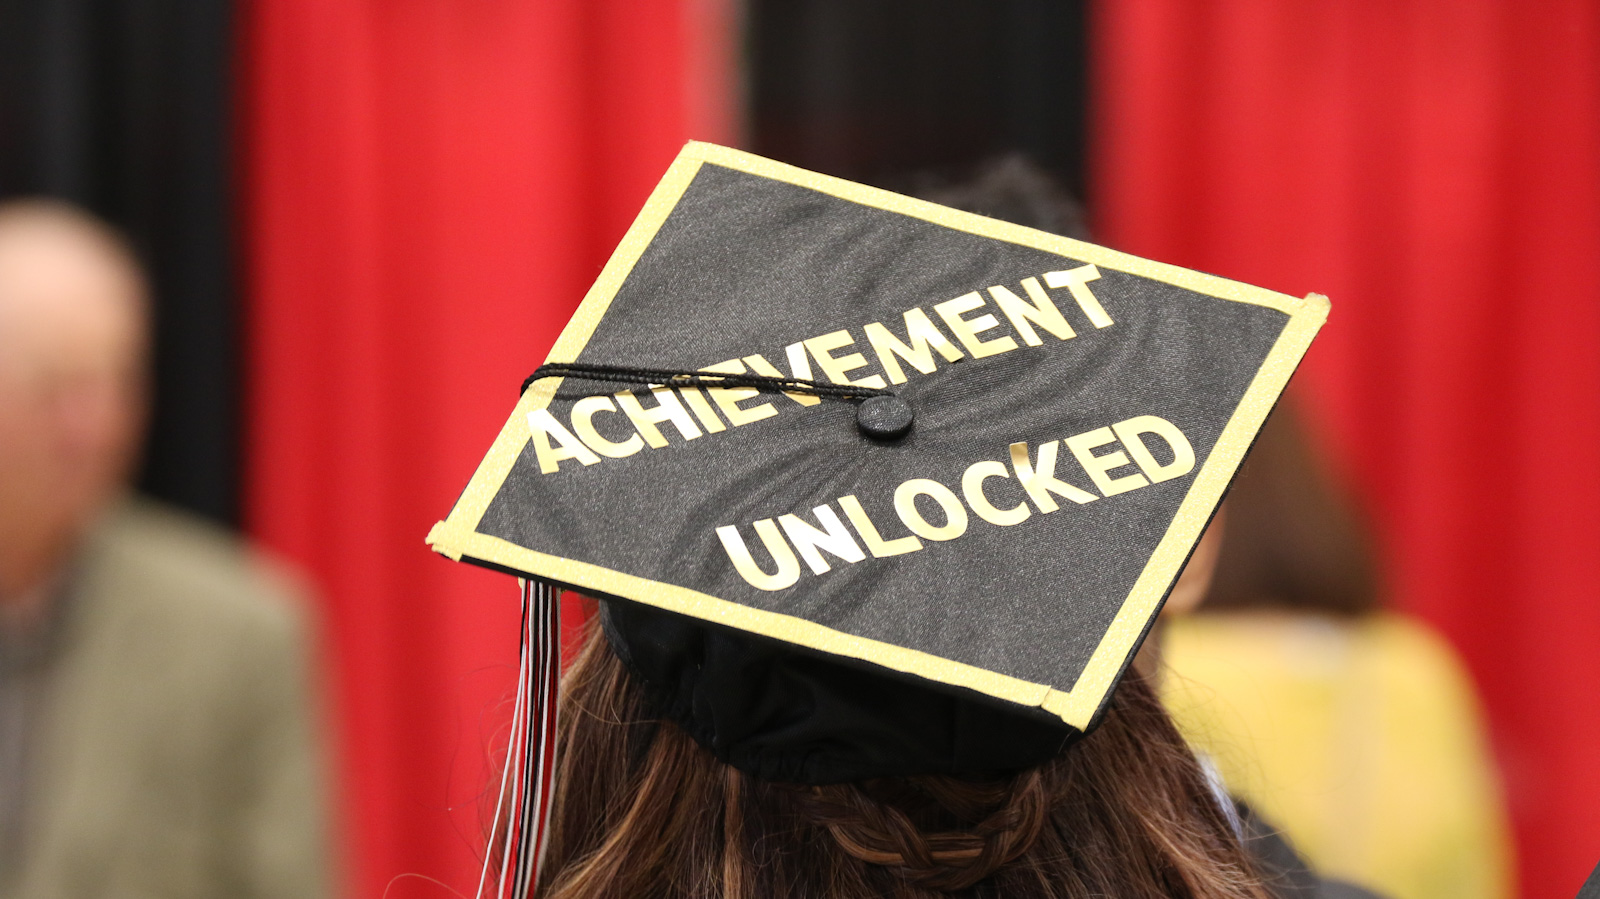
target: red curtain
430 187
1434 167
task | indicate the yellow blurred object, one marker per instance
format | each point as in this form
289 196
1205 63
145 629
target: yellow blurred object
1358 736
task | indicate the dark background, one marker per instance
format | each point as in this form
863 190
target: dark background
868 89
123 106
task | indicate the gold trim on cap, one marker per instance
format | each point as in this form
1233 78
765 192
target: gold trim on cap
457 536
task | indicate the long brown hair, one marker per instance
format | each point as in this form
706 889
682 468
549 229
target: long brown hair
643 810
1296 539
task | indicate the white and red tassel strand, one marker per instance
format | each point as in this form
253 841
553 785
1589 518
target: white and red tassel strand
529 777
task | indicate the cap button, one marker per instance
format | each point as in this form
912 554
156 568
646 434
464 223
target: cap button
884 417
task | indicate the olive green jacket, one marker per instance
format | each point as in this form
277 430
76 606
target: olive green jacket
175 754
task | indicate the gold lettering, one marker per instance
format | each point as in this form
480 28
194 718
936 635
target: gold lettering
905 505
788 567
834 538
1077 280
1040 480
701 408
1023 316
729 398
799 362
1099 467
542 427
759 364
1130 431
925 339
879 547
967 330
583 412
668 409
838 368
972 490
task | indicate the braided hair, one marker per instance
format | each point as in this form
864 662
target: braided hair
643 810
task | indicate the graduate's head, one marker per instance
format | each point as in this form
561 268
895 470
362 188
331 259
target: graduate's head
644 808
72 380
882 497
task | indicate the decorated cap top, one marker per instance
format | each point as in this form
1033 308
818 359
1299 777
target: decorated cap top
1037 432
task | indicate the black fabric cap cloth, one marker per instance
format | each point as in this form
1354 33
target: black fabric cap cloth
815 600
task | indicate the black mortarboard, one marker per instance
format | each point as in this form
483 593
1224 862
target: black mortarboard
1076 415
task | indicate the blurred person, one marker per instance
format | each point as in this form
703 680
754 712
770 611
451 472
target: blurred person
157 736
1015 189
1354 728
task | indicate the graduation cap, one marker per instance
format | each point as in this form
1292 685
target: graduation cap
869 485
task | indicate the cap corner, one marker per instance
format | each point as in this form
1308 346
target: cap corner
438 538
1063 705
